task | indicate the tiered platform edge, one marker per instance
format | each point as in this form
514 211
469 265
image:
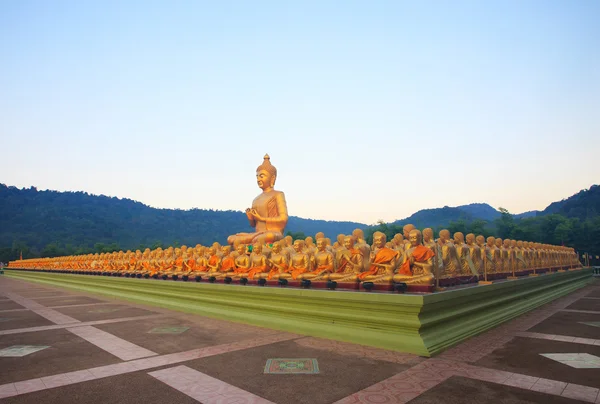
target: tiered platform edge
421 324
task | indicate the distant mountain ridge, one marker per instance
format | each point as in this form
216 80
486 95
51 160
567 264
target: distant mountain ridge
440 217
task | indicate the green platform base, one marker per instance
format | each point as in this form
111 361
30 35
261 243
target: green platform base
421 324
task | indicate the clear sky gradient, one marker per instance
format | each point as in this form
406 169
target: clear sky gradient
369 109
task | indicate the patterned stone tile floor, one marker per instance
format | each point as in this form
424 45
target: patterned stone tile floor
101 350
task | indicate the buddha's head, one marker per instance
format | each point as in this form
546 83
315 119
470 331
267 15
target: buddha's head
309 241
257 248
520 244
276 248
498 242
428 234
379 239
349 242
226 250
298 246
288 240
319 235
241 249
490 241
506 243
407 229
470 239
340 239
415 237
266 174
321 244
444 235
211 251
358 234
459 238
480 240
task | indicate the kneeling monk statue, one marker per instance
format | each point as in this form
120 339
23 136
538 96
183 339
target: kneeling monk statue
268 214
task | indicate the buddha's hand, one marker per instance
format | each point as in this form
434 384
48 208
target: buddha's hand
256 216
249 214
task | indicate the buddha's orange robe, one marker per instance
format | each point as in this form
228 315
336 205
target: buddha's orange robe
321 268
228 264
383 256
342 268
296 272
179 263
275 270
212 261
256 270
191 264
421 254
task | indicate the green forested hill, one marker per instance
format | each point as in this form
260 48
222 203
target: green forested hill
50 223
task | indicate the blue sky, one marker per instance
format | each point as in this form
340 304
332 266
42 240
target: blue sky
369 110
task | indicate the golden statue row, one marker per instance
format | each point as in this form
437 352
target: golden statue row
413 257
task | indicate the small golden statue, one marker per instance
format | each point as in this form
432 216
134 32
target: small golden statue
268 214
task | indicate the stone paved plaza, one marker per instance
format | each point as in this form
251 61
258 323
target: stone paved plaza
60 346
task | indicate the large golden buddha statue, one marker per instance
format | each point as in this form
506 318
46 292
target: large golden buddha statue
268 214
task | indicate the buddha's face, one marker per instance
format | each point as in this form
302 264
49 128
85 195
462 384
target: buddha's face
297 246
458 238
415 238
358 234
513 243
257 248
427 234
507 243
321 244
211 251
498 242
480 240
520 244
379 240
490 241
349 242
308 241
276 248
340 239
241 249
470 239
264 179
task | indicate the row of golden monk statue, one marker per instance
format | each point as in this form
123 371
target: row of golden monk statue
413 258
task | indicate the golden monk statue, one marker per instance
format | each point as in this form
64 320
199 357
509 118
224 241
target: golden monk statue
349 262
322 262
268 214
383 263
278 260
417 268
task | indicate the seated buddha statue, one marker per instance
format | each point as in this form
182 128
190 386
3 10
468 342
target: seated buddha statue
406 229
278 260
449 257
382 265
268 214
242 260
321 262
309 247
228 260
491 255
462 250
214 262
474 253
259 267
417 267
349 263
361 244
299 263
